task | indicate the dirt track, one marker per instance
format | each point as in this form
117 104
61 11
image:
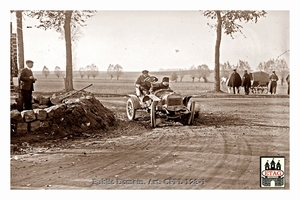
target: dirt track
221 151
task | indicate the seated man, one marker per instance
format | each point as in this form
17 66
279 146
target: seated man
163 85
142 84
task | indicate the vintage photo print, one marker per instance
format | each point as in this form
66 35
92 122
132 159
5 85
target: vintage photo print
159 99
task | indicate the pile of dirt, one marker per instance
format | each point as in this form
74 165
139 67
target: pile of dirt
82 114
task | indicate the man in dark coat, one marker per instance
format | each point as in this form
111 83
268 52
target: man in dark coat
235 81
26 85
273 82
246 82
163 85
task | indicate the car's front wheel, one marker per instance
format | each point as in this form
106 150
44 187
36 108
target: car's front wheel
191 106
130 109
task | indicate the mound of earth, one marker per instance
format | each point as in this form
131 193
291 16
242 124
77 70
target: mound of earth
82 114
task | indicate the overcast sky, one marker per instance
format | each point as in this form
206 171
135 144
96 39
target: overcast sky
149 39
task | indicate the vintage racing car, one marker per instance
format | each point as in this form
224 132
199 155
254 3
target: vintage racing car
162 104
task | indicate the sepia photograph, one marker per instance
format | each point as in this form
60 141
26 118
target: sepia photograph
150 99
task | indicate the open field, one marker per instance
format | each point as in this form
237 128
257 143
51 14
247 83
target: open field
125 85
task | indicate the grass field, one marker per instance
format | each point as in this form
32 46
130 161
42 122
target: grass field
102 84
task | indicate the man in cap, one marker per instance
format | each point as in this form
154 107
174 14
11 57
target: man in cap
246 82
235 81
273 82
26 80
163 85
142 83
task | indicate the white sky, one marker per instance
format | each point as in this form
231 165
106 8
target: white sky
140 40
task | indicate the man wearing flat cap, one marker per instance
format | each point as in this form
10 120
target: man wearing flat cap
142 83
26 85
163 85
273 82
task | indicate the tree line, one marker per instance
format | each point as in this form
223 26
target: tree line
88 71
227 22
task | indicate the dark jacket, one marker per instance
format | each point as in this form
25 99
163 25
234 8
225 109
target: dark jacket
235 80
25 82
273 77
246 80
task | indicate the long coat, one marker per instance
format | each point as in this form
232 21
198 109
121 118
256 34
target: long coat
246 80
235 80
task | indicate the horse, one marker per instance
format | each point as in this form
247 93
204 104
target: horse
224 82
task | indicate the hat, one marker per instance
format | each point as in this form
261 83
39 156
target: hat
145 72
29 61
234 69
165 79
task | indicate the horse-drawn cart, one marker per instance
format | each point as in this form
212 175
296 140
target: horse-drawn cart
259 82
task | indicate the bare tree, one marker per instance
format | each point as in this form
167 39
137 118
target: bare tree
193 72
46 71
174 76
203 72
58 72
110 70
81 72
94 70
118 69
181 74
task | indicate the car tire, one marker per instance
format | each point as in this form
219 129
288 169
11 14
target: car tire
192 114
152 114
130 109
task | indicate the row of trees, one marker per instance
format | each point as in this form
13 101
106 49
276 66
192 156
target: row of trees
115 71
201 71
89 71
226 20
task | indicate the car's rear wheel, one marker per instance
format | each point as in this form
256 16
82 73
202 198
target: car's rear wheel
192 114
152 114
130 109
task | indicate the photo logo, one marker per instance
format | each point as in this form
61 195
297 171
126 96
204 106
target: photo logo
272 171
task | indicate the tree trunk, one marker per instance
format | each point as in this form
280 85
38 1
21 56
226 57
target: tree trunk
20 39
217 52
69 70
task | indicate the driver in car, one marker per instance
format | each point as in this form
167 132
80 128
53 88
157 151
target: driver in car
142 83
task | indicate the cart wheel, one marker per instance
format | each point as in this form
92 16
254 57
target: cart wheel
192 115
130 110
152 114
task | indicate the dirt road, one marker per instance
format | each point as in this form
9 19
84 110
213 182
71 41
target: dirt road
221 151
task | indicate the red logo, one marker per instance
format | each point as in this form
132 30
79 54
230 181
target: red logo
272 173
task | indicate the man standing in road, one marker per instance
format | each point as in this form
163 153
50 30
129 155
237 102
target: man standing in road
246 82
273 82
235 81
26 85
